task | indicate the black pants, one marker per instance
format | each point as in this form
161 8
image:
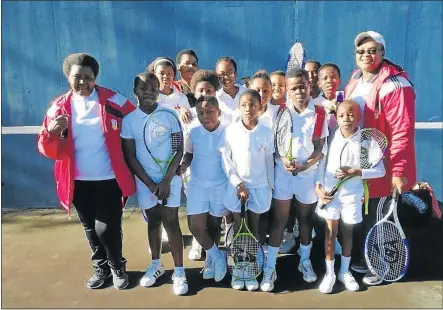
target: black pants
99 208
377 208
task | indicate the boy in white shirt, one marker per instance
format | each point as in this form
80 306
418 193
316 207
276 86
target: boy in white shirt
206 187
296 177
346 203
140 162
247 153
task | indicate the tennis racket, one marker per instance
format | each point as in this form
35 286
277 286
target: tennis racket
373 144
283 135
296 57
245 254
386 246
163 137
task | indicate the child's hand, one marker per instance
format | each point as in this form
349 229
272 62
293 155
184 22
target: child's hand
183 167
164 190
242 193
347 171
185 115
153 188
322 195
299 167
288 165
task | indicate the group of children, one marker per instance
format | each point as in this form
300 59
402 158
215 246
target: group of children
230 156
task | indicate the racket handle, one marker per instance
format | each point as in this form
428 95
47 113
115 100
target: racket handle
243 210
395 193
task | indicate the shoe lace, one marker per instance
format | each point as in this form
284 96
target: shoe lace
349 278
267 276
179 280
101 273
307 266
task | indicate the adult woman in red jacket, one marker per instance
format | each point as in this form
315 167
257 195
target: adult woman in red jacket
387 101
81 131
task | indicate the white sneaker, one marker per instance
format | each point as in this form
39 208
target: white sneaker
288 242
269 277
251 285
296 229
164 235
220 267
180 284
237 284
208 270
151 275
338 249
348 280
327 284
305 267
196 250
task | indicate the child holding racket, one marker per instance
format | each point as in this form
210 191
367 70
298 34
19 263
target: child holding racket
295 172
247 153
158 193
207 185
343 160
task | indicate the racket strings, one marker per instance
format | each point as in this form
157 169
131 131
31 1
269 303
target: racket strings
245 257
283 134
373 145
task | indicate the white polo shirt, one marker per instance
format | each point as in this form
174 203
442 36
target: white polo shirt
92 160
206 166
351 158
270 116
303 129
176 98
229 105
132 128
247 151
360 95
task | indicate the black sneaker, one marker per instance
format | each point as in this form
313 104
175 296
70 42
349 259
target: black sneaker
120 278
99 278
360 266
371 279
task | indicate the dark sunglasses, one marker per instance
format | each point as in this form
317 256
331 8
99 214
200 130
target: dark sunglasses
371 51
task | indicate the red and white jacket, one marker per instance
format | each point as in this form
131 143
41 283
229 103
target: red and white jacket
113 107
390 108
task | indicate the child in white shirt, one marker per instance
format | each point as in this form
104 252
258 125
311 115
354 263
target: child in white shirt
346 203
247 152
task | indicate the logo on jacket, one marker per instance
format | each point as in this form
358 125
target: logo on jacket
114 124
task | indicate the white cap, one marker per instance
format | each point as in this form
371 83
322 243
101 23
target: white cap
370 34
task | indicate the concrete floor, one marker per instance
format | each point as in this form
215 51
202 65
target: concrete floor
45 264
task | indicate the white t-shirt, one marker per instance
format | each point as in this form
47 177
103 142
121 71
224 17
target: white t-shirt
326 103
360 95
350 157
132 128
303 129
92 160
270 116
247 151
176 98
229 105
206 166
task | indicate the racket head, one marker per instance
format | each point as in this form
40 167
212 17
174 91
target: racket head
283 133
245 255
373 145
296 57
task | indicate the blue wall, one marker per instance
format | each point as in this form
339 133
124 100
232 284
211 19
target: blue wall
126 36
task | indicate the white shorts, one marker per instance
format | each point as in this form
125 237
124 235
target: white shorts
206 200
147 200
286 185
259 199
349 209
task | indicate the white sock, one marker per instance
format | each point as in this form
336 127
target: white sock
214 253
156 262
345 261
305 251
271 259
330 266
179 271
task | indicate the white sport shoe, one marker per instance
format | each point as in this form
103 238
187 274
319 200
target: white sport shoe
269 277
348 280
180 284
296 229
237 284
196 250
305 267
288 242
327 284
151 275
164 235
208 270
220 267
251 285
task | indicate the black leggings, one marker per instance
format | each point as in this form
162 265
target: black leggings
99 208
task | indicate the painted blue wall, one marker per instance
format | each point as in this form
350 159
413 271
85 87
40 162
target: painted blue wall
126 36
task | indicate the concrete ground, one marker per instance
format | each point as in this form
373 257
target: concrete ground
45 264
